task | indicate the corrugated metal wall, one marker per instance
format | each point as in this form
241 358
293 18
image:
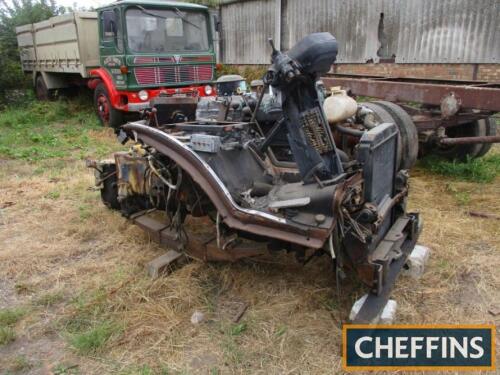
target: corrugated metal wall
246 26
411 31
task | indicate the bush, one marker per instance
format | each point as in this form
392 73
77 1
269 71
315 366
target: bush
19 13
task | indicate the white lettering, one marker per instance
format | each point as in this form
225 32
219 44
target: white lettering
400 347
379 347
478 348
444 348
455 345
431 346
357 347
415 346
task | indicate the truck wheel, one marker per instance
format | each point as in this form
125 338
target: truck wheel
491 129
42 93
462 152
408 131
108 116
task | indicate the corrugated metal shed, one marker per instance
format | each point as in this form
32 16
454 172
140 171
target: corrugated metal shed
411 31
449 31
246 26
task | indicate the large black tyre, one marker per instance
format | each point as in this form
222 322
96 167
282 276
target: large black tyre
408 131
382 115
42 93
491 130
108 116
109 190
462 152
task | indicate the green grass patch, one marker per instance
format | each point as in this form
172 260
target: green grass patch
90 325
483 170
45 130
92 340
20 364
7 334
9 317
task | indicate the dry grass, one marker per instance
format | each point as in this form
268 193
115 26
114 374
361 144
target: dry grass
78 265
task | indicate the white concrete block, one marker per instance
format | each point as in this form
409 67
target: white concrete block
356 307
387 316
415 264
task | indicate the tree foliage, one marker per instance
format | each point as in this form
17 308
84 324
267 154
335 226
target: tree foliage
12 14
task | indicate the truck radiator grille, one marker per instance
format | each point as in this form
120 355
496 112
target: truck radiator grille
173 74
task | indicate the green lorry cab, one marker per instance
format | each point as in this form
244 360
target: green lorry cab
128 52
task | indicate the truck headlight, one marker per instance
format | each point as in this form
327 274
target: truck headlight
208 90
143 95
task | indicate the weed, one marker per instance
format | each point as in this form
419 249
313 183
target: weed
49 299
331 304
232 353
462 197
53 195
483 170
9 317
84 212
62 369
20 363
93 340
24 288
7 335
281 331
238 329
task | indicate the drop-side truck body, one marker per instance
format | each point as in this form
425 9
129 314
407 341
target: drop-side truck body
127 52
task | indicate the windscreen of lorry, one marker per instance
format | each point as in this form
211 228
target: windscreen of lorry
157 30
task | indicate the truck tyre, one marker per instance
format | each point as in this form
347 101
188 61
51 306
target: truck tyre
462 152
491 130
382 115
109 191
42 93
108 116
408 131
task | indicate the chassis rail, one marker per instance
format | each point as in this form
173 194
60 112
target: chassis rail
470 94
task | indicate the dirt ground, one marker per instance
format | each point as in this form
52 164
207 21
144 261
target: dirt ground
72 265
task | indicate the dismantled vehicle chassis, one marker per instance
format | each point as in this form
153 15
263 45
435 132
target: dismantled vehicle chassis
346 201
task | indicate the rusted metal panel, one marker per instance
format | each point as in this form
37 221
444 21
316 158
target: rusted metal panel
417 31
246 26
421 90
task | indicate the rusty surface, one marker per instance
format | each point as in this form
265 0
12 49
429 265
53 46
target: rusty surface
469 140
426 121
234 218
473 95
201 246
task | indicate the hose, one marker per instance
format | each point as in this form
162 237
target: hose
349 131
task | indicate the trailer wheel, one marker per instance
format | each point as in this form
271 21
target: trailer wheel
462 152
491 130
408 131
42 93
108 116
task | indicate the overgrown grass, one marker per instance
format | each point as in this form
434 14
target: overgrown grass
8 318
7 334
90 326
92 340
43 130
482 170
